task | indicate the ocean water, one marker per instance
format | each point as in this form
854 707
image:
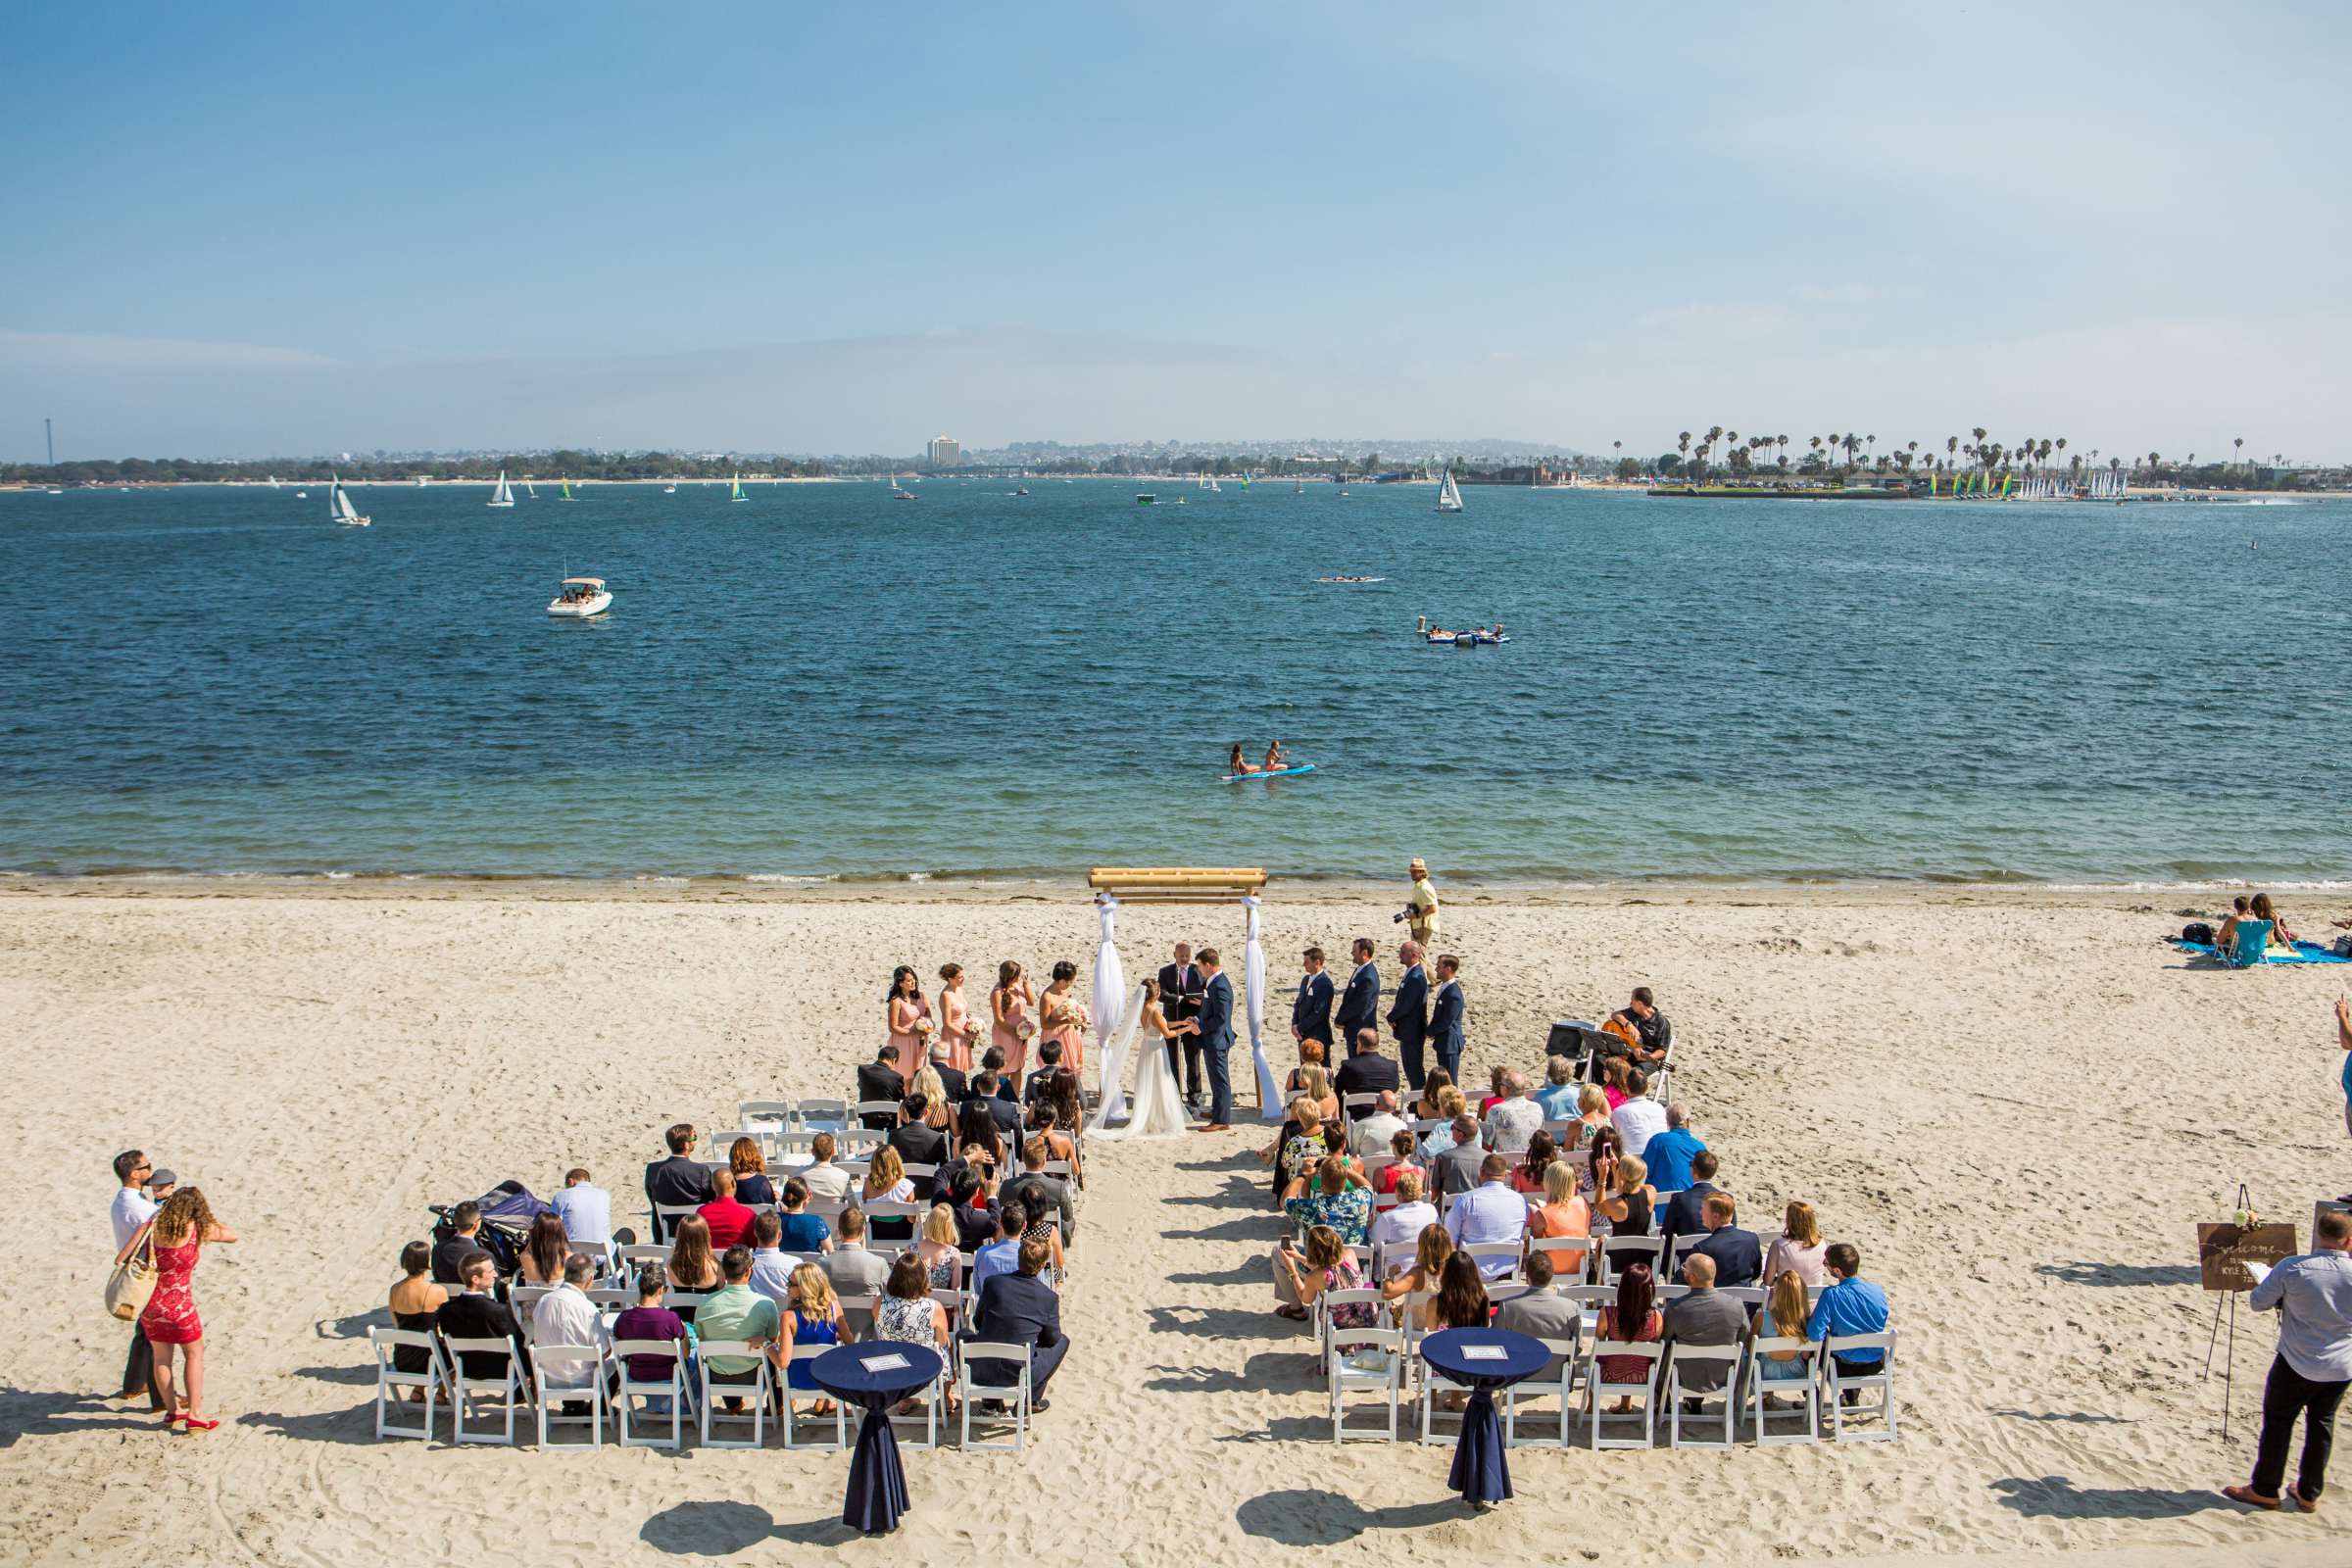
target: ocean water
820 682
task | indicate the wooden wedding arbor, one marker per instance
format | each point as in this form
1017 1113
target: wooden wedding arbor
1115 885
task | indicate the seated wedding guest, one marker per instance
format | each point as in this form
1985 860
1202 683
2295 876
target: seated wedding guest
1613 1072
1404 1148
1001 1106
1489 1212
1459 1167
1593 1110
1600 1165
1560 1089
1639 1118
1044 1228
735 1312
1629 1320
751 1184
771 1265
1785 1309
1442 1140
1048 1062
975 1211
679 1180
1019 1308
1512 1120
544 1250
693 1267
811 1316
1395 1233
954 1082
1564 1211
1044 1197
1670 1153
906 1314
803 1232
1370 1133
1057 1123
1703 1318
1460 1303
730 1222
564 1316
1004 1254
1340 1198
649 1319
1527 1176
886 1183
1542 1311
1298 1144
1431 1249
1851 1304
1310 1054
1797 1249
472 1314
1495 1094
462 1241
1629 1202
1302 1278
1738 1255
1434 1084
939 1111
916 1140
585 1208
413 1303
856 1269
1687 1210
976 1129
939 1246
1365 1071
825 1178
880 1080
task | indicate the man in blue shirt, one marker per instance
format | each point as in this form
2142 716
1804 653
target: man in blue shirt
1667 1153
1850 1305
1003 1255
1558 1095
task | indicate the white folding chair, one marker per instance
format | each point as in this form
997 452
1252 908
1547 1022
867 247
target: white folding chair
932 1395
1483 1253
1598 1389
1361 1360
1729 1358
787 1395
886 1109
1564 1385
612 1298
523 1301
1839 1382
549 1398
1571 1257
599 1253
765 1115
1361 1297
639 1256
819 1115
1352 1105
508 1391
667 1215
390 1381
1014 1393
1683 1247
756 1393
1433 1383
1804 1388
628 1388
1620 1252
920 1173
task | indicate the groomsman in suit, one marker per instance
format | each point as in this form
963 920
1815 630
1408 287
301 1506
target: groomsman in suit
1181 988
1311 1013
1359 1004
1213 1027
1446 1016
1408 1014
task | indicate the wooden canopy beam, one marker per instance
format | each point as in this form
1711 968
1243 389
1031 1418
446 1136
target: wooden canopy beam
1176 884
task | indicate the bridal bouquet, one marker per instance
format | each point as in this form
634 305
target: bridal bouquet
1081 1016
924 1028
1027 1030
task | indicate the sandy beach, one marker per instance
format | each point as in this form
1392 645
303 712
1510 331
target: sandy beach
2016 1102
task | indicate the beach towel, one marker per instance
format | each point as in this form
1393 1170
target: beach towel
2302 953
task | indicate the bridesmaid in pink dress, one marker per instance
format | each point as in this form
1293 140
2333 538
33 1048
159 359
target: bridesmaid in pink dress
905 1007
1008 1008
955 1025
1059 1016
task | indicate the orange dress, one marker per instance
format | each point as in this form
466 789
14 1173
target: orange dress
1006 1036
1072 1037
914 1052
956 1028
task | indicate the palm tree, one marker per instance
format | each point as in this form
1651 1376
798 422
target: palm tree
1682 445
1871 442
1782 442
1620 449
2059 443
1951 450
2240 442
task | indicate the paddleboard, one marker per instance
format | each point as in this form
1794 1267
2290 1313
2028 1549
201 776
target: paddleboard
1280 772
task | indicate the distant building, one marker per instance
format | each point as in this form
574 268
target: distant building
945 451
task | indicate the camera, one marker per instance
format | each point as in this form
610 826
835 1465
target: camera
1401 917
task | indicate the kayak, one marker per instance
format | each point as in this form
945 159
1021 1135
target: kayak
1280 772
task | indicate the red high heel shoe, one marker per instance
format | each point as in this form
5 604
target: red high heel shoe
198 1424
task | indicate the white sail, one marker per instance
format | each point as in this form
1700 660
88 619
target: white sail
502 496
340 506
1450 496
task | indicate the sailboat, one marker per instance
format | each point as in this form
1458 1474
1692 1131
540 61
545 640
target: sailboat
567 495
529 489
421 481
274 481
897 492
735 488
339 506
502 496
1449 495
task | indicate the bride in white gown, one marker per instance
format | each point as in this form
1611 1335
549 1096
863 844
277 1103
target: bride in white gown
1157 1108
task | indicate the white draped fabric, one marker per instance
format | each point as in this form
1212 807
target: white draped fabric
1254 969
1112 1006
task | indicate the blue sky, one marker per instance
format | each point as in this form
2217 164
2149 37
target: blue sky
286 228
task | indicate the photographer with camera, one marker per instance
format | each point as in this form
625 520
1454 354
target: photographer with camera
1421 906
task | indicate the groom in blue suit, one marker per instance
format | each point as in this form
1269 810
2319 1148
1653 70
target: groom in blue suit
1213 1027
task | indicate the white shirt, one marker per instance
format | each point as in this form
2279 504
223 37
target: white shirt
2313 1292
1489 1212
129 1211
1637 1121
565 1317
586 1210
1371 1135
825 1178
771 1273
1397 1233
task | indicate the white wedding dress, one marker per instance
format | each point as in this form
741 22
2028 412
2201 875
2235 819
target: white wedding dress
1157 1109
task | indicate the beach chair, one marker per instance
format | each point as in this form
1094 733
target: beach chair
2253 939
508 1391
1839 1384
1363 1360
754 1393
1597 1390
549 1399
1731 1358
1014 1393
627 1388
1537 1387
1806 1389
390 1381
787 1393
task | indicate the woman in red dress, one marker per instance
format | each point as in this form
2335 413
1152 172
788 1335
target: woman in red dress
179 1230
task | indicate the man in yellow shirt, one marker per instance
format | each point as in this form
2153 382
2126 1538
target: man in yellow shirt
1421 911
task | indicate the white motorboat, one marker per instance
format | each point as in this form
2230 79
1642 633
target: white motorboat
669 489
579 599
502 496
340 509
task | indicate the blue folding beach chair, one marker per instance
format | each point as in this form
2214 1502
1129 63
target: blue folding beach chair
2253 937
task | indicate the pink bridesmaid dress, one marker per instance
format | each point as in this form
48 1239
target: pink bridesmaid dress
1006 1036
1072 1037
913 1054
956 1026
